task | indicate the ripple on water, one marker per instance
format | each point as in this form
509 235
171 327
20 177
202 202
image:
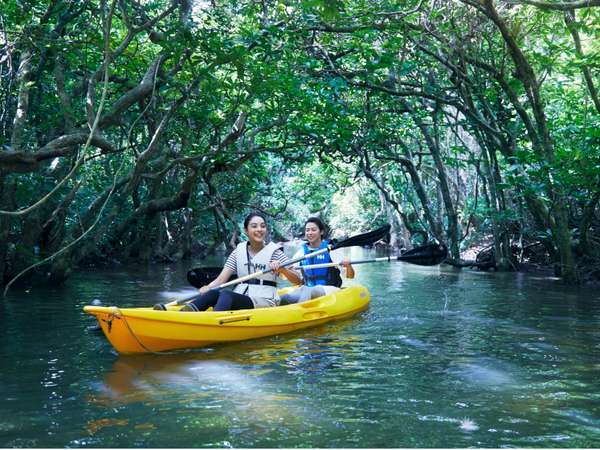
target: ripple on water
23 443
6 427
540 347
403 318
580 417
548 438
417 343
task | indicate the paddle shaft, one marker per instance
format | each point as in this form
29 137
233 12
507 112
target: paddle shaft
425 255
358 261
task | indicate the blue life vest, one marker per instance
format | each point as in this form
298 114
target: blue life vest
316 277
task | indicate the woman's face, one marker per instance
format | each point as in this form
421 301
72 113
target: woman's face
313 235
256 229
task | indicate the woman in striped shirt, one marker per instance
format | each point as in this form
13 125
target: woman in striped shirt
248 257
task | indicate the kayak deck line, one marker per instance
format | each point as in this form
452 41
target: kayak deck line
145 330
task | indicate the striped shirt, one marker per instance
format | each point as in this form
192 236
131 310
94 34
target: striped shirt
231 262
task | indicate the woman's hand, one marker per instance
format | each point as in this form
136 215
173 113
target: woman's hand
285 272
275 267
349 269
204 289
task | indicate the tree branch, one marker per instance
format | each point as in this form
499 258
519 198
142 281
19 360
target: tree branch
559 6
23 161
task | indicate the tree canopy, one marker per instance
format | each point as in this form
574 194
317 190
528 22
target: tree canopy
146 130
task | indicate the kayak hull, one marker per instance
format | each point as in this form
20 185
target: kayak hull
144 330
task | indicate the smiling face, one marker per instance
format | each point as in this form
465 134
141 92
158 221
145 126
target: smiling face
256 230
313 234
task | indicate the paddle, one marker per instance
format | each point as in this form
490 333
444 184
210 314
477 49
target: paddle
426 255
358 240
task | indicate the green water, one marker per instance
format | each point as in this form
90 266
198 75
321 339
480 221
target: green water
441 359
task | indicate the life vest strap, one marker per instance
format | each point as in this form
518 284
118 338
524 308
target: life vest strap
261 282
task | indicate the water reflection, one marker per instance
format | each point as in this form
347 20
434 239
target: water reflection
231 369
216 392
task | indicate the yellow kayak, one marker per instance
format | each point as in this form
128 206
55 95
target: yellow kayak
144 330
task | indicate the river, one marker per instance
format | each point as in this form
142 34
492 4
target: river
442 358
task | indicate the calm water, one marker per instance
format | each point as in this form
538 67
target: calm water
441 359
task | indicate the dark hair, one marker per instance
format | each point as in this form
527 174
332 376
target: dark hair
251 215
319 223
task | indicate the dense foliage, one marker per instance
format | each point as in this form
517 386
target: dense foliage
146 130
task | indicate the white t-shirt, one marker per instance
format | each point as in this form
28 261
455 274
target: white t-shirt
231 262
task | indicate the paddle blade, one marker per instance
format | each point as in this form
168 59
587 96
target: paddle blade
363 239
201 276
425 255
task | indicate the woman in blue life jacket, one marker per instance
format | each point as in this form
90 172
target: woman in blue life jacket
248 257
322 281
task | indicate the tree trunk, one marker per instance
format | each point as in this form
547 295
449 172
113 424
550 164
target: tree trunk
542 144
434 222
502 261
587 75
23 77
392 219
434 149
585 246
7 195
186 234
